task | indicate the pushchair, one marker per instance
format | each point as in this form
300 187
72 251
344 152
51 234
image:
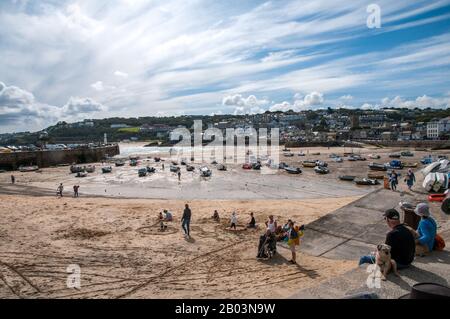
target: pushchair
267 246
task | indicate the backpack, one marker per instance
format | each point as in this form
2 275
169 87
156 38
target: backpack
439 243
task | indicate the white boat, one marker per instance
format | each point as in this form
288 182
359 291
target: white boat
25 169
205 171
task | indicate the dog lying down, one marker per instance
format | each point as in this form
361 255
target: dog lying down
384 261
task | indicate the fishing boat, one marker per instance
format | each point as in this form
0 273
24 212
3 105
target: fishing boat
407 154
366 181
190 168
321 170
205 171
221 167
106 170
309 164
133 162
256 166
76 169
151 169
347 178
142 172
25 169
119 163
375 176
90 169
377 167
174 169
321 164
293 170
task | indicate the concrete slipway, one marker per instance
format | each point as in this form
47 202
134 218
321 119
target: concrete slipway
355 230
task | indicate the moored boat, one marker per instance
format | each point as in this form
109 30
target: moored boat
293 170
348 178
106 170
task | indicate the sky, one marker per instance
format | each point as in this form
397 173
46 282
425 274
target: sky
72 60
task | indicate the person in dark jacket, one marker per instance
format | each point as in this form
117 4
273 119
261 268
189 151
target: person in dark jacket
401 240
186 220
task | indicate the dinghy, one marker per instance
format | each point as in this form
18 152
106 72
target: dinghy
293 170
377 167
366 181
321 170
106 170
347 178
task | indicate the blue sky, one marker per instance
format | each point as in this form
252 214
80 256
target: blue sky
70 60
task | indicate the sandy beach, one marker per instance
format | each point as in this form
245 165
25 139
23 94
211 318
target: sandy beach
111 231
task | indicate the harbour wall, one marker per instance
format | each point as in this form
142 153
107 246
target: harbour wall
46 158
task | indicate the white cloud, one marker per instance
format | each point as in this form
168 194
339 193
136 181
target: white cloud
121 74
422 102
312 100
81 106
347 97
248 105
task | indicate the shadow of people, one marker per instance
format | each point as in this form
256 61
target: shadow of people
190 239
421 275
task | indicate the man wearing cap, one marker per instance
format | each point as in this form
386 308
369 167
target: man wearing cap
426 231
399 238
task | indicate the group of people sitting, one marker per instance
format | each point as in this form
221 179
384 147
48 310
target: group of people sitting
234 220
406 242
166 217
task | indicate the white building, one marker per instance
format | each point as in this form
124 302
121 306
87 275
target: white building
436 127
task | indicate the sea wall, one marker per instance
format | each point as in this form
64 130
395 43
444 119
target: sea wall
12 161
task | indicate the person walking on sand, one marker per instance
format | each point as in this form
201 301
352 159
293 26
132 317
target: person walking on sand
293 241
393 180
252 223
179 175
162 166
233 221
13 179
186 220
59 190
75 191
410 179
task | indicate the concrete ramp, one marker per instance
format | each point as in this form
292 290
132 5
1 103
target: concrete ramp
354 229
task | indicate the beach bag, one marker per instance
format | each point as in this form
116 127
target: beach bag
293 238
439 243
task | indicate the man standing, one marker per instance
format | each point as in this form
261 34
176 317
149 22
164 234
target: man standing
400 239
75 191
60 190
186 220
13 179
410 179
179 175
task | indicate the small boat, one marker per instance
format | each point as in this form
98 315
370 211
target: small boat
436 197
359 158
348 178
407 154
333 155
90 169
256 166
151 169
205 171
81 174
395 155
410 165
288 154
375 176
426 160
352 158
374 156
190 168
286 150
221 167
76 169
301 154
321 170
119 163
282 165
293 170
157 159
106 170
309 164
315 154
395 164
247 166
321 164
142 172
377 167
174 169
366 181
133 162
338 159
25 169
